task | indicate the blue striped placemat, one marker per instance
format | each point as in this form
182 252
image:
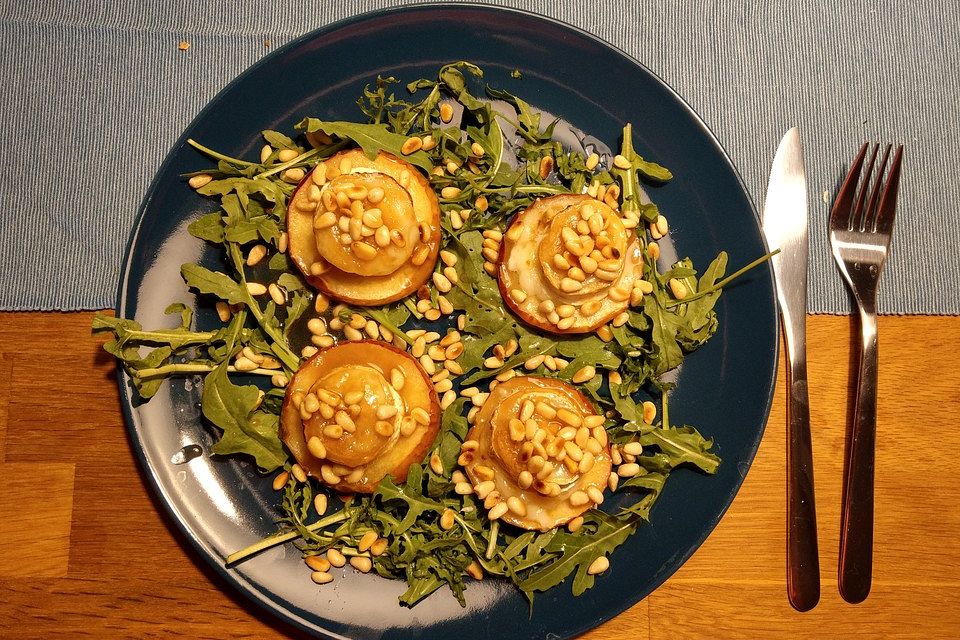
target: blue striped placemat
98 92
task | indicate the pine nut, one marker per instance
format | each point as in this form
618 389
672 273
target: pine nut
653 250
441 282
545 410
420 415
335 558
447 519
475 570
678 289
362 564
265 153
450 193
633 448
446 112
517 506
621 162
649 411
428 365
379 547
628 470
546 166
223 311
569 417
366 541
277 295
317 563
497 511
257 253
411 145
574 525
420 255
298 473
256 289
316 447
321 577
463 488
493 362
601 564
595 494
280 481
294 175
448 257
592 161
200 180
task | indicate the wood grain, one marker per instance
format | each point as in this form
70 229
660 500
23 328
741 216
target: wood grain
104 563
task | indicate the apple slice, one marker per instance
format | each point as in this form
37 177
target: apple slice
538 448
358 411
364 231
568 264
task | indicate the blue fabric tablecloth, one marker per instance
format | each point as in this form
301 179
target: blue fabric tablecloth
96 93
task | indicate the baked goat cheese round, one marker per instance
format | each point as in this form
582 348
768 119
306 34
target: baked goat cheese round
568 264
357 412
537 454
364 231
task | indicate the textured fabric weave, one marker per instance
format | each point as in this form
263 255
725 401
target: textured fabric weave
97 93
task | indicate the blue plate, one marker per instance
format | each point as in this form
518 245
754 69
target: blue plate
725 388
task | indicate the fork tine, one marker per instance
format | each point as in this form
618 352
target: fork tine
861 212
843 205
870 213
888 202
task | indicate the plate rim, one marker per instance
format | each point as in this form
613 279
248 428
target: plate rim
237 581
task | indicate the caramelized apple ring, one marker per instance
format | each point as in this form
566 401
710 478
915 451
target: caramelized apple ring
537 453
358 411
568 264
364 231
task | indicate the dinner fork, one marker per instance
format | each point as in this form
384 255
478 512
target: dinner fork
860 231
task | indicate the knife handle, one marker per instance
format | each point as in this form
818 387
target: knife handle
803 561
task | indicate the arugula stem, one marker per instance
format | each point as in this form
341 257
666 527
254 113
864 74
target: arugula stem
165 337
492 541
408 303
186 368
274 540
664 411
278 346
219 156
306 155
724 282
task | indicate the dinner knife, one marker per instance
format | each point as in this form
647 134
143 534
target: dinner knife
785 228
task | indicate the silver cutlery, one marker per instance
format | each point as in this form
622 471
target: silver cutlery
860 231
785 228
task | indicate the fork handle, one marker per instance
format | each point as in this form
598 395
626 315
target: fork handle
856 520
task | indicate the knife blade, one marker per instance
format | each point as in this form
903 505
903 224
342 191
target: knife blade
785 228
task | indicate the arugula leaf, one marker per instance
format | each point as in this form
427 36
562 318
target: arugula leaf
298 305
416 503
278 140
213 282
600 535
208 227
372 138
683 445
245 430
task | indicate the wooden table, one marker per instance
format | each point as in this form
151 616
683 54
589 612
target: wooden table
84 550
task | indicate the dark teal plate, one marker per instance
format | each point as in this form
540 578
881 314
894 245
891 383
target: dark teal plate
725 389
